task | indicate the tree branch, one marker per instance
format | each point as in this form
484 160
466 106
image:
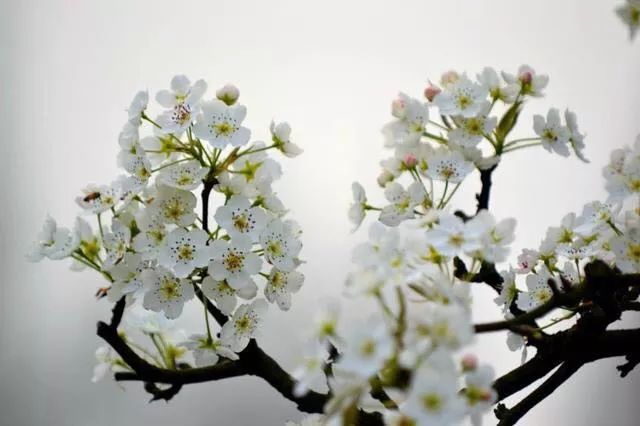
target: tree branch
485 190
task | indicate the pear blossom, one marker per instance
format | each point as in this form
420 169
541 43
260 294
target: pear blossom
53 242
448 166
183 251
596 216
281 245
366 349
509 291
160 147
576 139
626 249
228 94
165 292
280 286
527 261
234 262
463 97
412 116
539 290
452 236
97 199
137 107
221 124
222 294
494 236
402 202
174 206
445 326
357 210
238 218
526 81
554 136
310 372
470 131
433 398
325 322
107 361
127 276
479 393
186 176
152 235
182 101
116 243
208 352
244 325
281 137
257 167
490 79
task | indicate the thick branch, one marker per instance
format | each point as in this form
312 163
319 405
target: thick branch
485 191
562 374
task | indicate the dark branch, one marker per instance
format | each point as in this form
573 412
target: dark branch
485 191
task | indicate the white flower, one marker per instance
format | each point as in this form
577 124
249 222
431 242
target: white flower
554 136
116 243
233 261
596 216
224 295
221 125
148 321
479 393
187 176
281 245
462 97
526 82
527 261
433 398
280 285
238 218
495 236
256 167
207 352
629 13
470 131
576 139
452 236
138 106
152 233
107 360
412 117
182 101
491 81
367 348
309 420
447 326
244 325
280 135
509 291
126 275
627 251
448 166
539 290
358 207
175 206
97 199
53 242
310 372
402 202
326 322
160 147
183 251
165 292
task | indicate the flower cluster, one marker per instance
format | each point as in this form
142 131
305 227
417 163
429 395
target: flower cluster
155 249
629 13
438 154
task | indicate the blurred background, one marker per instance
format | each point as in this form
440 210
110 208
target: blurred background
68 70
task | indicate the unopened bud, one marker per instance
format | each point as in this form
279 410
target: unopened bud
410 161
228 94
385 177
526 77
449 77
431 92
469 362
398 108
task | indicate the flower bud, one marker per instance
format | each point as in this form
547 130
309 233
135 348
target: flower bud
431 92
469 362
449 77
398 108
410 161
228 94
385 177
525 77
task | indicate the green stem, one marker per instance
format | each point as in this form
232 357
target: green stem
515 148
170 164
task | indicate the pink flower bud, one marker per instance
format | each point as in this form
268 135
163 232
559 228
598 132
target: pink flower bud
397 108
431 92
410 161
469 362
526 77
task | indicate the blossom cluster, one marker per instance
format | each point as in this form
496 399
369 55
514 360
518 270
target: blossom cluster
468 134
153 246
